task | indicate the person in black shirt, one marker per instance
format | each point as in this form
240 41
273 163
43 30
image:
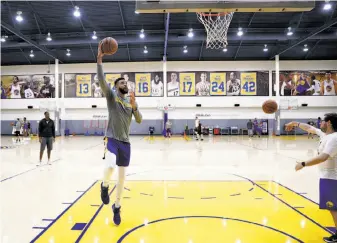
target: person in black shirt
46 135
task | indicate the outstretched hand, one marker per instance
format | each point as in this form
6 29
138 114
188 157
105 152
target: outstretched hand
298 167
133 101
289 126
99 51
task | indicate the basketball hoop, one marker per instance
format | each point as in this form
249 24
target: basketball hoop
216 25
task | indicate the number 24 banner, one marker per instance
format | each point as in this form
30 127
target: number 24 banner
143 84
83 85
248 83
218 83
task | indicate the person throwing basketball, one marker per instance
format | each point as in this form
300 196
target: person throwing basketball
327 162
121 109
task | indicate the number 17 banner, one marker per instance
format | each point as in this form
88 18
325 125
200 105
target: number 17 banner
143 84
187 84
248 83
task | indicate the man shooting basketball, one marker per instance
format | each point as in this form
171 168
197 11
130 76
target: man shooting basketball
327 161
121 109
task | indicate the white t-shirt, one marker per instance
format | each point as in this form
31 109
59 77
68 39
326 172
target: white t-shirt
197 123
328 145
173 89
29 94
15 92
329 87
157 89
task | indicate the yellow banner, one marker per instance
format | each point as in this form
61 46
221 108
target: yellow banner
111 77
187 84
143 84
83 85
248 83
218 83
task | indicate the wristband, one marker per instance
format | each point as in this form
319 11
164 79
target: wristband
303 164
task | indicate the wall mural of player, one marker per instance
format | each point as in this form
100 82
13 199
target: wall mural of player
173 84
157 85
96 89
203 85
329 86
233 85
129 78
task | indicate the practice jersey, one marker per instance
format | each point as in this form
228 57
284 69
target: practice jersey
157 89
173 89
202 88
15 92
233 87
29 94
329 87
328 145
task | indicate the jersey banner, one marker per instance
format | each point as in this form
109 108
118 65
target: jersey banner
187 84
218 83
248 83
83 85
306 83
148 84
29 86
143 84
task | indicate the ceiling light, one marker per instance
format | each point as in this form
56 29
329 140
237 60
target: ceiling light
94 36
19 16
225 49
145 50
305 48
142 34
185 49
240 32
68 53
31 54
265 48
290 32
77 12
327 5
48 37
3 38
190 33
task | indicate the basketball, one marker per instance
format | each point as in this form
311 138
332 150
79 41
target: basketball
109 46
269 106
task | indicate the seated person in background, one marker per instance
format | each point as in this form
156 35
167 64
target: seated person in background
151 131
168 129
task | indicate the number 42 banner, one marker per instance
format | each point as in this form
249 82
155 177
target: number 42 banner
143 84
248 83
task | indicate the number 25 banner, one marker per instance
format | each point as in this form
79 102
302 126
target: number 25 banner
248 83
143 84
187 84
83 85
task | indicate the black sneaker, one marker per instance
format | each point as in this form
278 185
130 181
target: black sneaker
117 214
105 194
332 238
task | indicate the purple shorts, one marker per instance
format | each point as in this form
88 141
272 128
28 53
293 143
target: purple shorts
122 150
328 194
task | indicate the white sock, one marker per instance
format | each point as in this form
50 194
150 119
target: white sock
120 185
110 163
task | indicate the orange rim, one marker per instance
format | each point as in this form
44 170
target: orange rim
213 14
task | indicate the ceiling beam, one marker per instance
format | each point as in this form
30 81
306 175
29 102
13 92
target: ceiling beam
311 50
315 32
123 22
201 49
37 18
31 42
167 26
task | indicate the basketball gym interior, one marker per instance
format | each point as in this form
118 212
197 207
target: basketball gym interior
228 187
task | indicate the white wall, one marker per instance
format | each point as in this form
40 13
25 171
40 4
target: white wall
80 108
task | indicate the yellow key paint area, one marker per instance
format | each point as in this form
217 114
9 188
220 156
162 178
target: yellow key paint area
194 212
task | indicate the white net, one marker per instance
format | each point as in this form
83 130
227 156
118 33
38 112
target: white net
216 26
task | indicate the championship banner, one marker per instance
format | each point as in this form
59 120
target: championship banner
29 86
143 84
218 83
83 85
248 83
111 77
187 84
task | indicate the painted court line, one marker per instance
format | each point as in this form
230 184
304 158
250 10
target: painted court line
92 219
42 232
13 176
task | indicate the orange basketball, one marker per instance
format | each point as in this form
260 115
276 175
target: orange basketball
269 106
109 46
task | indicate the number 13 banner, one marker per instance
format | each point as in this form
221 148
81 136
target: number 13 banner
187 84
218 83
248 83
143 84
83 85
